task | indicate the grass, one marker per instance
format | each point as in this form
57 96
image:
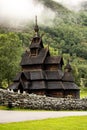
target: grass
6 108
66 123
18 109
83 93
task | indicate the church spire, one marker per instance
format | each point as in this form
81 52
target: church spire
36 28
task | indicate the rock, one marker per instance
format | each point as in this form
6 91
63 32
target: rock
33 101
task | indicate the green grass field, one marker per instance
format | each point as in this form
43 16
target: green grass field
66 123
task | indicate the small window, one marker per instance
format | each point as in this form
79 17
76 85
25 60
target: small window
33 52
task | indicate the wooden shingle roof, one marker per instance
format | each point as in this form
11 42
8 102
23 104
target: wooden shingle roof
14 86
38 44
54 85
37 85
68 77
70 86
20 74
53 75
37 75
54 60
38 59
17 77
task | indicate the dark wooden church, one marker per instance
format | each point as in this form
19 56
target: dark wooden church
42 73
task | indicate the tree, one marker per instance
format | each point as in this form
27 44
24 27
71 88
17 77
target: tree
10 54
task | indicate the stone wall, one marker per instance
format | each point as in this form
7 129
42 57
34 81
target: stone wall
32 101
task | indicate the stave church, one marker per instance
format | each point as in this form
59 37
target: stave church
42 73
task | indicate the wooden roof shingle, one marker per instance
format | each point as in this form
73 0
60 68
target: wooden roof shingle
37 85
20 74
17 77
54 85
14 86
38 59
54 60
68 77
37 75
53 75
38 44
70 86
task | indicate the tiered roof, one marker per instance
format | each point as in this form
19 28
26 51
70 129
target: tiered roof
54 60
43 78
27 59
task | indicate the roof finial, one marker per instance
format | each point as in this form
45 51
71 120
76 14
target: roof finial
36 27
68 66
48 46
36 20
68 61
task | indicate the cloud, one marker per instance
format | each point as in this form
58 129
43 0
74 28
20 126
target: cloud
16 13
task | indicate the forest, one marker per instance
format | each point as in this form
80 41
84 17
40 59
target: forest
66 37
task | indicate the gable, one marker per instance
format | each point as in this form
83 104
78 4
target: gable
54 60
36 43
22 75
39 59
68 77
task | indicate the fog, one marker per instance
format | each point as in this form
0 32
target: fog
18 13
74 5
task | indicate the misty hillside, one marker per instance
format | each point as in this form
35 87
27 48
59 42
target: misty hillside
63 14
55 6
84 6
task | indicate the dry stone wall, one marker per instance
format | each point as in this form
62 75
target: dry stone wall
32 101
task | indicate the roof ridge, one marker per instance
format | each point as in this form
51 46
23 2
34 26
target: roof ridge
45 54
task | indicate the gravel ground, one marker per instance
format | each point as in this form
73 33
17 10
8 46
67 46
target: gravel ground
18 116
